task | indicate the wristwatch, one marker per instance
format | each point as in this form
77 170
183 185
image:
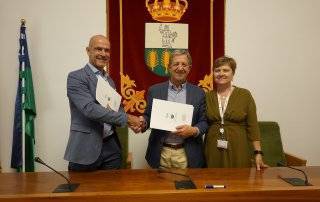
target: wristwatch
258 152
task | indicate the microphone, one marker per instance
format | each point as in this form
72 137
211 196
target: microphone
69 187
181 184
295 181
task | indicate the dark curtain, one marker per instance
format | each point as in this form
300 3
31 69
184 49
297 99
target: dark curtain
139 77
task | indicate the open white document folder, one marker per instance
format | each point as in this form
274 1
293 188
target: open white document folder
106 95
167 115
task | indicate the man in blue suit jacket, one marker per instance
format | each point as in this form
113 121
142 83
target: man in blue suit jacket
182 148
93 143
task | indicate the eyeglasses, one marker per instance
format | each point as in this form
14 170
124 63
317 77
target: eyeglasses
183 65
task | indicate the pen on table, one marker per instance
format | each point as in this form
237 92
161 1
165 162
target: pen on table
214 186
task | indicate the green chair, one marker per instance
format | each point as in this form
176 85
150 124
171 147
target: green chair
123 137
271 146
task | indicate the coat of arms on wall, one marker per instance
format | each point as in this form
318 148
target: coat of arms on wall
145 32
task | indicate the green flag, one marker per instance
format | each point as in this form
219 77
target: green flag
30 113
29 108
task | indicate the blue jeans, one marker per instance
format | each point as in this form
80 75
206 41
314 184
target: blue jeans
109 158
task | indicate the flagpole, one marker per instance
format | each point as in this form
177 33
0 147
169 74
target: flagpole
23 23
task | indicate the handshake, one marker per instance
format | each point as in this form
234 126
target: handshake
136 123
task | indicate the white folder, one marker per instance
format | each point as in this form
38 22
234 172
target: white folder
106 95
167 115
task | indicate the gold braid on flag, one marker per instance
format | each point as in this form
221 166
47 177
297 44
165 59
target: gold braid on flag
207 82
133 100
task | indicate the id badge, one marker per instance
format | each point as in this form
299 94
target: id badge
222 144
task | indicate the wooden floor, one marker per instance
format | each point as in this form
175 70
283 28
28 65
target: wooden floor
150 185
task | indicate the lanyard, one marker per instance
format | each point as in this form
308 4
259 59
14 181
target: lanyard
223 106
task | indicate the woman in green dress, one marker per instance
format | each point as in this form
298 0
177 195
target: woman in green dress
233 124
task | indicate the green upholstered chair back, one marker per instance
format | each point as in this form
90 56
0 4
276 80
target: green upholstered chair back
271 143
123 137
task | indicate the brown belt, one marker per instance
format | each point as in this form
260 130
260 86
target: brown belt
173 146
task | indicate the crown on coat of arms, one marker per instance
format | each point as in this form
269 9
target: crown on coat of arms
167 11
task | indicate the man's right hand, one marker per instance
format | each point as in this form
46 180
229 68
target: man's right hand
134 123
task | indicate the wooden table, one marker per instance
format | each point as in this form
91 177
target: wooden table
149 185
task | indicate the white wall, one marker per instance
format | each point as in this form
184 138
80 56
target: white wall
275 43
58 32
